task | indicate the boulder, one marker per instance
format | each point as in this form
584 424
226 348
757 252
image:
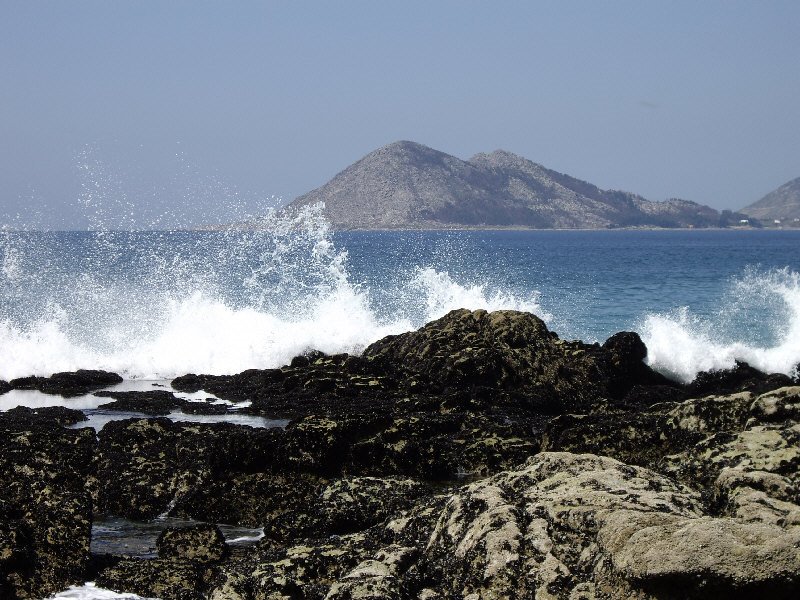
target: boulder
703 557
203 543
532 532
628 354
513 352
578 526
742 377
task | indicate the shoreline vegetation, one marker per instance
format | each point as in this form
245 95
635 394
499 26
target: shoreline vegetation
480 456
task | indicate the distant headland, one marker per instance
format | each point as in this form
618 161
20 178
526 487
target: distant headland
406 185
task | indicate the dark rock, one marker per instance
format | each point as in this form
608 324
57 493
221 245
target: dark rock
202 543
153 402
78 383
281 500
302 571
146 465
647 395
739 378
190 383
45 508
5 387
627 347
236 474
317 509
46 415
354 504
513 352
636 438
306 359
442 446
646 437
137 467
163 578
204 408
315 383
628 353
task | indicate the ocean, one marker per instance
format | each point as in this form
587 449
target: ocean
158 304
152 305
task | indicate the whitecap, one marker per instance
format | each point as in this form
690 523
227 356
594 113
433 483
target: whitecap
681 344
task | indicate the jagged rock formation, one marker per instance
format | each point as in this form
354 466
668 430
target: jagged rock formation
479 457
782 203
408 185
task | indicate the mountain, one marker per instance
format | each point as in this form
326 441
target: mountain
406 185
783 203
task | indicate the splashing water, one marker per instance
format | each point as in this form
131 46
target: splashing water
161 304
89 591
157 304
763 308
442 294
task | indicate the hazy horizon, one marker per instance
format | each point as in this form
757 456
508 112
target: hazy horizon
147 114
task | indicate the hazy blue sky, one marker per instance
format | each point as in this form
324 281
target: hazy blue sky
196 104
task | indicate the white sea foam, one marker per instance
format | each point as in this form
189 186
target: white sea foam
681 344
89 591
220 304
247 539
442 294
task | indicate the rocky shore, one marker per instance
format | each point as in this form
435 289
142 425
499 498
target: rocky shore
480 457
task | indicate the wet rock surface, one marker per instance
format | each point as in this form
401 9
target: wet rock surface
146 467
154 402
478 457
164 578
45 505
514 352
201 543
70 384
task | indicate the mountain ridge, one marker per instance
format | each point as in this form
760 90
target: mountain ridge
781 203
407 185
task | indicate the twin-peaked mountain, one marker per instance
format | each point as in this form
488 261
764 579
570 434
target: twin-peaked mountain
406 185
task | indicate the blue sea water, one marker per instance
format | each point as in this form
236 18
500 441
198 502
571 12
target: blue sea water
161 304
154 305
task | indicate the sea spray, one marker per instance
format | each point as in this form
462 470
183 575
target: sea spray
441 294
89 591
156 305
758 322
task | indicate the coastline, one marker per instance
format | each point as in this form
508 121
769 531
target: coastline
470 456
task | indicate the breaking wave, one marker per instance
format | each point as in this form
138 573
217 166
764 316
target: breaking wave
161 304
758 322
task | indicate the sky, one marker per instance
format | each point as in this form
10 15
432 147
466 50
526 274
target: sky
150 113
